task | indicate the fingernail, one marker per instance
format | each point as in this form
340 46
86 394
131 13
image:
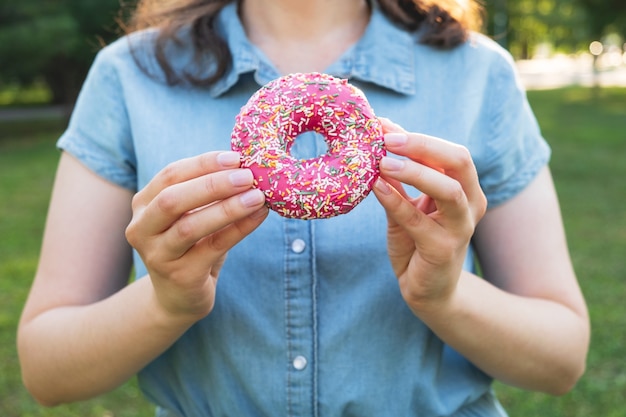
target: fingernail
391 164
382 186
241 177
228 159
252 198
388 123
396 139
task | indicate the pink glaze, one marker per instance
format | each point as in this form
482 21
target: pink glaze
321 187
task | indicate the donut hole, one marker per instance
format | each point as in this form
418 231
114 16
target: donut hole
308 145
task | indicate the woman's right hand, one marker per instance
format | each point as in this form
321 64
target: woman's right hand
185 221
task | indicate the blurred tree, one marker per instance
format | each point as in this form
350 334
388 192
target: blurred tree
522 25
53 40
605 16
56 40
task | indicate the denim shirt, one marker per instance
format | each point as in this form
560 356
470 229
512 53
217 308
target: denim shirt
309 320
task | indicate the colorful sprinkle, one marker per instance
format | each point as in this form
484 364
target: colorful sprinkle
322 187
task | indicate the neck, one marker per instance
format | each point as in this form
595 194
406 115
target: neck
304 36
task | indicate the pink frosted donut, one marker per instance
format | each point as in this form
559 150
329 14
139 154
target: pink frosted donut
322 187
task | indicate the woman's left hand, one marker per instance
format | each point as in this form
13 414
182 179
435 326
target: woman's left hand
428 236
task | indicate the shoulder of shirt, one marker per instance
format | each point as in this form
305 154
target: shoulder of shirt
123 47
479 54
130 54
486 49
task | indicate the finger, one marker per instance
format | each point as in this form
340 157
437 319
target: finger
447 193
193 227
402 213
184 170
452 159
435 152
389 126
420 233
181 198
209 249
432 151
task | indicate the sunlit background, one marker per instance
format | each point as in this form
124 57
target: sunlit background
46 47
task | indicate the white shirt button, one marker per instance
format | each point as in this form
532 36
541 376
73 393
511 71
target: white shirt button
298 246
299 363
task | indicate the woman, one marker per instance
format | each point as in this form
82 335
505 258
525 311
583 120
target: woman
307 318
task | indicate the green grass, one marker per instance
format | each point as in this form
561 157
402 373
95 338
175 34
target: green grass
587 131
27 163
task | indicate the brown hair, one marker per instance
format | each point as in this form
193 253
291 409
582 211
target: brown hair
444 23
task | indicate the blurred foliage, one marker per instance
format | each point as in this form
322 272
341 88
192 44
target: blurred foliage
53 41
605 16
566 25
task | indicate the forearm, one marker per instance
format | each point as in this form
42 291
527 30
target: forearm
531 343
76 352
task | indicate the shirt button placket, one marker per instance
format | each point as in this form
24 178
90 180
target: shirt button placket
300 319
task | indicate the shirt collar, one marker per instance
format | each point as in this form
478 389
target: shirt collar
383 56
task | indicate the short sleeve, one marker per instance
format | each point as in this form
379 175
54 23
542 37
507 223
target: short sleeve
99 133
515 149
